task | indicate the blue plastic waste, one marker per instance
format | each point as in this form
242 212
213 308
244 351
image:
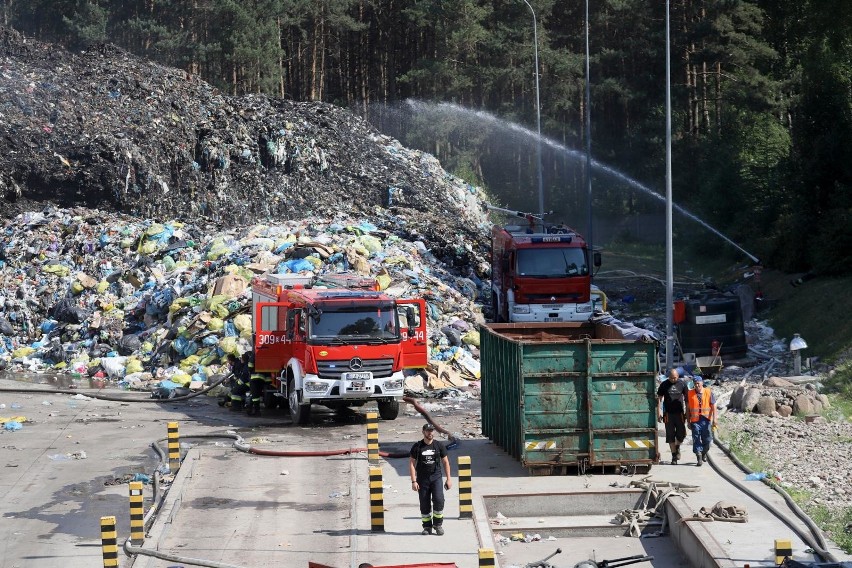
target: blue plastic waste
141 477
756 476
12 425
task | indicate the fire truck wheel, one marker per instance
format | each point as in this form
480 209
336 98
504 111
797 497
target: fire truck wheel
389 409
299 413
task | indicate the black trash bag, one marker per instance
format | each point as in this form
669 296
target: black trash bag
54 353
454 336
6 327
65 310
129 344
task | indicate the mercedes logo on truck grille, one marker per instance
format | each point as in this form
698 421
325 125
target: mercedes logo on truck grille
356 364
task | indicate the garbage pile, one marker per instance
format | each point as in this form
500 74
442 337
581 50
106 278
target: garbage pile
101 147
141 302
105 129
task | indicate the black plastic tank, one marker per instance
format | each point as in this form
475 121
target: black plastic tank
713 319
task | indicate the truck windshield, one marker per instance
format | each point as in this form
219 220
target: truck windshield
376 323
552 262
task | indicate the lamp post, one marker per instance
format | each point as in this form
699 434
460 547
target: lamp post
796 346
590 235
669 246
538 116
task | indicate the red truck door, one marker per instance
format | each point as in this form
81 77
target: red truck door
415 349
272 350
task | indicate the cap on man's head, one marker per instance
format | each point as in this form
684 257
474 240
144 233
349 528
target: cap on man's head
697 379
428 426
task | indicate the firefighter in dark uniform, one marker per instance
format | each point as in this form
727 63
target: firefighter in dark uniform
426 460
240 384
257 384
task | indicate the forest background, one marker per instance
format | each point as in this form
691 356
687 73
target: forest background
761 91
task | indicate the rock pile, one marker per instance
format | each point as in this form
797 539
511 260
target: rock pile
811 456
779 398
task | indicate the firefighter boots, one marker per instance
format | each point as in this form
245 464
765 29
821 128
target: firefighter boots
426 530
704 455
439 531
253 409
237 405
698 459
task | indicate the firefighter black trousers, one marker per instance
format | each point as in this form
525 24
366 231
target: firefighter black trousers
431 494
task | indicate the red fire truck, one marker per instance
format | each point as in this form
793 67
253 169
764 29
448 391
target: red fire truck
334 340
541 273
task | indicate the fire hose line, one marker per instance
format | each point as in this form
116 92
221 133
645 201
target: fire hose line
817 543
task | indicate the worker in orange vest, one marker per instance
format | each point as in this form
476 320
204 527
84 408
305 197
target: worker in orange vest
701 409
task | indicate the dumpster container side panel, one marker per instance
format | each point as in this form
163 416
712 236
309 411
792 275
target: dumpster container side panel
562 447
623 402
554 416
549 358
501 395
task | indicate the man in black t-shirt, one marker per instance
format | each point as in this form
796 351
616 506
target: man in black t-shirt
672 398
427 458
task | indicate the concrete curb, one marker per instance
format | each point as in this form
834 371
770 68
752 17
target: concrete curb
171 505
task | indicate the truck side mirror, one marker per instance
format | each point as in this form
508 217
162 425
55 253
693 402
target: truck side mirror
409 315
596 258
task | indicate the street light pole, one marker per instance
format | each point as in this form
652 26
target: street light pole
538 116
669 246
589 141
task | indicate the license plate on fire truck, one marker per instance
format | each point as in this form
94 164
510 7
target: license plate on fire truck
552 319
357 382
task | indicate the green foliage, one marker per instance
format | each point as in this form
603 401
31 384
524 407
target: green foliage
87 25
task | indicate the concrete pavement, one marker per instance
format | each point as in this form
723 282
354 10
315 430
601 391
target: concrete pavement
290 513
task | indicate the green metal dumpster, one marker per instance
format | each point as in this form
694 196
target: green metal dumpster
560 396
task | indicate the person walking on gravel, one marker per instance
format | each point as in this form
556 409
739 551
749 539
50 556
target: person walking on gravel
701 404
672 411
427 458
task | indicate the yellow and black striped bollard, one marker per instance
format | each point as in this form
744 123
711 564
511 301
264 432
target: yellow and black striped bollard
486 558
137 513
109 542
783 549
174 447
465 489
373 438
377 501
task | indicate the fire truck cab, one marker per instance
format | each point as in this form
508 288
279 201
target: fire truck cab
542 274
334 340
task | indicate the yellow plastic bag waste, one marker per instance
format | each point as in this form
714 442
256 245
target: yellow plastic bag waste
471 338
229 345
182 379
76 288
216 250
314 260
215 324
154 229
216 305
133 366
60 365
22 352
148 247
188 363
370 243
126 242
57 270
384 279
243 323
102 286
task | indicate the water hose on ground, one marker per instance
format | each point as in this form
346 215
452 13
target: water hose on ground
111 398
817 543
